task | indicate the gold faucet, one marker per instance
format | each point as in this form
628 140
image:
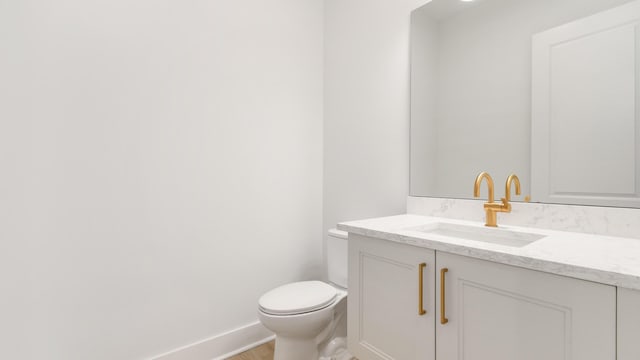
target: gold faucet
491 208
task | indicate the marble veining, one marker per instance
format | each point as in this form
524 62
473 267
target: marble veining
610 221
604 259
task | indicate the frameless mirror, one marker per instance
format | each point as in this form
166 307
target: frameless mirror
472 83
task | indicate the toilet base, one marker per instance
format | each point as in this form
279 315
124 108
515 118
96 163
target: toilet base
295 349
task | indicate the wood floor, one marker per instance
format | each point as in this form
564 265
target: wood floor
262 352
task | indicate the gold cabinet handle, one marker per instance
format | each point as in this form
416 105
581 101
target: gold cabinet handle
443 317
421 310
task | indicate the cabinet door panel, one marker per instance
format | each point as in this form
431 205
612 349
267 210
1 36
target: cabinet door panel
383 303
501 312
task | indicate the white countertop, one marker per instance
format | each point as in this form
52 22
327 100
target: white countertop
604 259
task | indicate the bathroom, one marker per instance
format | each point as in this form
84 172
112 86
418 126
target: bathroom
165 164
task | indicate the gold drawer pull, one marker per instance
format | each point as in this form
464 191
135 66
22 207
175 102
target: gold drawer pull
421 310
443 317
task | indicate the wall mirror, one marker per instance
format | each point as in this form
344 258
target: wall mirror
546 89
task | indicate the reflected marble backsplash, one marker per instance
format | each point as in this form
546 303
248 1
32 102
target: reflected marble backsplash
609 221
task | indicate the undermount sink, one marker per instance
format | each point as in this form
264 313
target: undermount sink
484 234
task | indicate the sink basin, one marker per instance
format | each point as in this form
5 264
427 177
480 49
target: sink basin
484 234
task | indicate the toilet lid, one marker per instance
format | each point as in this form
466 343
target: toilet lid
297 298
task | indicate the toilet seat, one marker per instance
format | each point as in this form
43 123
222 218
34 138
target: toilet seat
297 298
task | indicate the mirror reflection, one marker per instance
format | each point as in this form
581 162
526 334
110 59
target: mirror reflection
471 94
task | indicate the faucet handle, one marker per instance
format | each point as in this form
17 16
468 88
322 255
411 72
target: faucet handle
506 205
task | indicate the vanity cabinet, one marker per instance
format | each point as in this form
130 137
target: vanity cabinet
385 319
502 312
490 310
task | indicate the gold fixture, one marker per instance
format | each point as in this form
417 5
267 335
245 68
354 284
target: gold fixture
507 187
443 317
421 310
491 208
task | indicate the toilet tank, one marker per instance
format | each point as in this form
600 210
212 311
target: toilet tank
337 252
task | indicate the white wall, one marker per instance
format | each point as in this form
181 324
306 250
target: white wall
366 126
160 168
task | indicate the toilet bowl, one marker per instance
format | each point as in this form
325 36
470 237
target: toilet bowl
309 318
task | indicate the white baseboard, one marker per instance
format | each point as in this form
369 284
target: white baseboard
222 346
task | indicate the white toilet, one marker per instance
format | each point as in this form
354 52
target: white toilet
309 318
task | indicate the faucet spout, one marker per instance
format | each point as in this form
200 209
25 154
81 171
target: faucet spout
476 186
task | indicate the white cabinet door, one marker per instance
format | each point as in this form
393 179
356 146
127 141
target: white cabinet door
501 312
384 321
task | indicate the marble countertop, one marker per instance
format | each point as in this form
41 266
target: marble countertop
604 259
